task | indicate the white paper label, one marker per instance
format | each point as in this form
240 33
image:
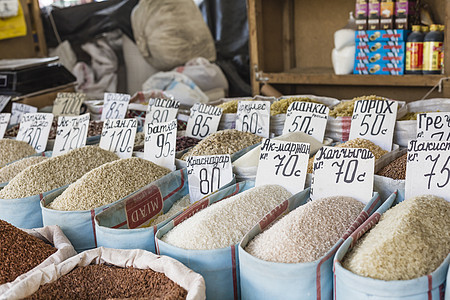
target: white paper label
283 163
203 120
18 110
71 133
374 120
34 129
254 117
428 169
161 110
68 104
343 172
207 174
433 126
118 136
115 106
4 120
4 101
160 143
310 118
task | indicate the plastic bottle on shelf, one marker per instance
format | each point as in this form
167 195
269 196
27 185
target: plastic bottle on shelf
432 48
442 28
425 29
414 51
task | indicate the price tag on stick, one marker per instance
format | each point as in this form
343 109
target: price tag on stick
118 136
310 118
68 104
203 121
160 143
428 169
161 110
34 129
18 110
71 133
433 126
374 120
254 117
115 106
4 101
207 174
344 172
4 120
283 163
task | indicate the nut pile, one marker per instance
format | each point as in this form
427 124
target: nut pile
281 106
8 172
19 252
226 141
345 108
108 183
11 150
106 282
56 172
396 169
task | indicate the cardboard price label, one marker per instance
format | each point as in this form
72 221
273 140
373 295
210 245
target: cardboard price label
428 169
433 126
118 136
161 110
4 101
374 120
307 117
207 174
34 129
203 120
18 110
115 106
4 120
67 104
71 133
283 163
254 117
160 143
344 172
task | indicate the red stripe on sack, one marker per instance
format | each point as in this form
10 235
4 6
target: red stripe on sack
233 264
157 247
334 283
119 225
374 203
154 234
318 286
359 220
441 291
346 123
369 223
430 287
93 226
177 189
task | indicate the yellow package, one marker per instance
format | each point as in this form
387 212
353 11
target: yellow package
13 26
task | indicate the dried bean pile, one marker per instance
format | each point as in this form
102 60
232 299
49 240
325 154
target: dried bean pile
19 252
11 150
106 282
396 169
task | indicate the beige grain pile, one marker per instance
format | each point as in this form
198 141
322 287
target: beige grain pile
411 240
345 108
108 183
11 150
178 206
308 232
56 172
281 106
226 141
8 172
230 107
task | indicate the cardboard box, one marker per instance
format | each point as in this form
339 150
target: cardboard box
404 13
389 35
381 47
361 13
374 57
379 69
373 21
387 11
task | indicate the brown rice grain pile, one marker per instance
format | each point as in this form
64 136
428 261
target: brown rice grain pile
11 150
411 240
56 172
8 172
227 141
108 183
395 169
308 232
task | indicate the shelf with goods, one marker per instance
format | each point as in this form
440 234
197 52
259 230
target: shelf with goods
290 49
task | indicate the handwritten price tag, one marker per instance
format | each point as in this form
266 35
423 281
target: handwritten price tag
160 143
18 110
428 169
68 104
307 117
4 120
254 117
4 101
161 110
433 126
34 129
115 106
118 136
283 163
71 133
374 120
343 172
207 174
203 121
